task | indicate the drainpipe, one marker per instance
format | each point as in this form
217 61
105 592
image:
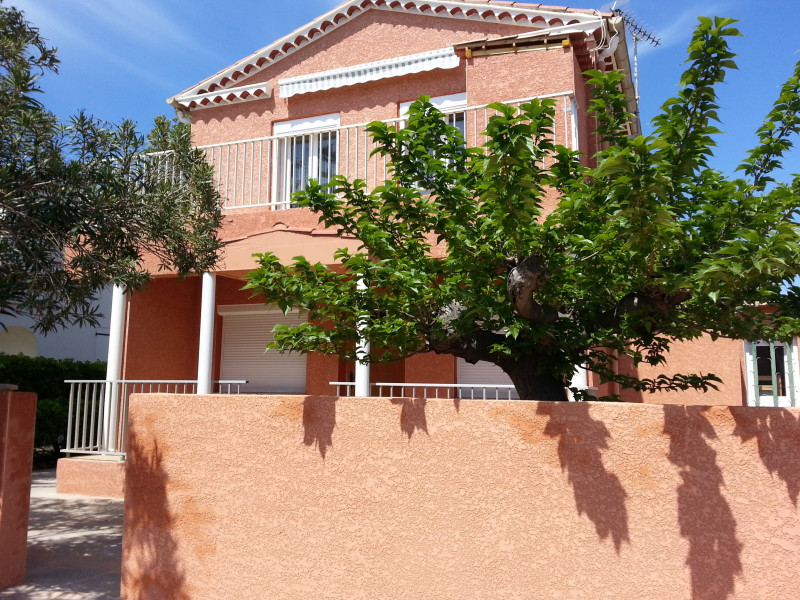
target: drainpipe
362 351
206 347
116 342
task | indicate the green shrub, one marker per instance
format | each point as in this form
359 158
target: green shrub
46 376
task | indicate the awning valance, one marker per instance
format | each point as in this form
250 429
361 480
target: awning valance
444 58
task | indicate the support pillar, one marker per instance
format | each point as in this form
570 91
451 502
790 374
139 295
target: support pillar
205 358
116 345
362 387
580 379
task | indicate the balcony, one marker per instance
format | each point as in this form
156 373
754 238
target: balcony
265 172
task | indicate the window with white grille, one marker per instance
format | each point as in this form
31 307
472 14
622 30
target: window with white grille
305 149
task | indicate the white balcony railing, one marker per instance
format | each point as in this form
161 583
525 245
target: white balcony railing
461 391
266 171
98 410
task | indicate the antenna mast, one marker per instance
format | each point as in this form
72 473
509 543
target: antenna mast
639 34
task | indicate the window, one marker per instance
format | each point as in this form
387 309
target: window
454 115
772 373
306 149
452 106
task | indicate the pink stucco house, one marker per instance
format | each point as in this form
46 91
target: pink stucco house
296 109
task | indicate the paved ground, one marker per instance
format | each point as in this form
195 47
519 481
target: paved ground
74 546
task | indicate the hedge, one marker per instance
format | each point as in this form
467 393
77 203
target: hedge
46 376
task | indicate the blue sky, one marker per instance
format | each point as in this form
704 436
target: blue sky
123 58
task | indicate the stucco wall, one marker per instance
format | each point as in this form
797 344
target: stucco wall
722 357
17 421
374 35
161 342
318 497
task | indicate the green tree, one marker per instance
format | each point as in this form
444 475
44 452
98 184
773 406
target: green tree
648 247
82 204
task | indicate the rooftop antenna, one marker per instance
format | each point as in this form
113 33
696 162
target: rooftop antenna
639 34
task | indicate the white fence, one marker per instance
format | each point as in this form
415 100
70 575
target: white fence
98 410
437 390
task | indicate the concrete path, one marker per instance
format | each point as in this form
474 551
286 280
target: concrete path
74 546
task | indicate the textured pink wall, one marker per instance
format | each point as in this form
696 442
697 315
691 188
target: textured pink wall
318 497
91 477
375 35
723 357
17 423
161 342
431 368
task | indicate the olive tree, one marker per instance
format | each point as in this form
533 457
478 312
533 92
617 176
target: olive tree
84 203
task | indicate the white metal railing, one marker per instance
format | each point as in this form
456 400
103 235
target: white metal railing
462 391
98 410
266 171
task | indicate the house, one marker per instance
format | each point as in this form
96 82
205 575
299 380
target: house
17 336
296 109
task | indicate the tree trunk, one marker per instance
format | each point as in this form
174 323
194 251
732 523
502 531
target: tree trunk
531 385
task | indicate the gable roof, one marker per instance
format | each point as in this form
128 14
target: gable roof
221 87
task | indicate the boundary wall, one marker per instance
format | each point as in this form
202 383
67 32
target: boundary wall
17 424
407 498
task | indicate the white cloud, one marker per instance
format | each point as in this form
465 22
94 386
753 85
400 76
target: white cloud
103 29
678 29
140 20
86 22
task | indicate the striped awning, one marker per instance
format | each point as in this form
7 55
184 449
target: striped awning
444 58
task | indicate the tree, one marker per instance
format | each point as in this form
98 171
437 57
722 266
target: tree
83 204
648 247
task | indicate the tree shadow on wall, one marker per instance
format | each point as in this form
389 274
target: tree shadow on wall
319 421
152 568
412 415
598 494
704 516
777 433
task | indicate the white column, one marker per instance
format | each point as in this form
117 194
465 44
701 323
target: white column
580 379
574 123
206 352
362 351
116 343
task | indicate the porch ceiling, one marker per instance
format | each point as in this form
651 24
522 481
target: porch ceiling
238 259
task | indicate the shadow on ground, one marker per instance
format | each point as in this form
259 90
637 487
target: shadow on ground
74 546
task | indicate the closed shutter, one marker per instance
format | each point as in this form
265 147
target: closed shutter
483 375
244 339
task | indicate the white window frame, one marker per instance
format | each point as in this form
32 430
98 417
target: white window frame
451 105
312 131
792 376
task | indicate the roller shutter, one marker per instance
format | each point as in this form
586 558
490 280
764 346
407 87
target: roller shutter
483 374
244 338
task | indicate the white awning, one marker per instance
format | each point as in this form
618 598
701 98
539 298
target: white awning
444 58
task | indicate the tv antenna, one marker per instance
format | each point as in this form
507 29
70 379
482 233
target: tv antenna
639 34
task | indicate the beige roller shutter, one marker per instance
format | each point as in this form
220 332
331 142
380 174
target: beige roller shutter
483 375
244 338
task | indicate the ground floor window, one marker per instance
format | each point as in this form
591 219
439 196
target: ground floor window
246 331
772 373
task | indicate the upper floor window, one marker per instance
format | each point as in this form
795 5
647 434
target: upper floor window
306 149
453 106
